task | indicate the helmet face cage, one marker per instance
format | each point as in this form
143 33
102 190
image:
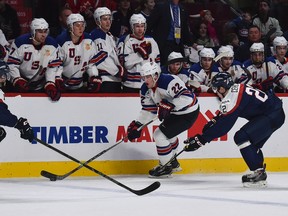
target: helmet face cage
101 11
38 23
222 79
137 19
72 18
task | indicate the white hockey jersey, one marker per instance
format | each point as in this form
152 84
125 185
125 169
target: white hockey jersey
237 72
76 59
197 73
133 61
269 69
36 65
170 88
107 59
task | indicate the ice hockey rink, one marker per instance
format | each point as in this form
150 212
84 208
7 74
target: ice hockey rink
211 194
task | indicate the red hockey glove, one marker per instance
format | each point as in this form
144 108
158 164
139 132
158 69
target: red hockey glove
21 85
193 143
94 84
52 91
142 52
267 84
2 133
133 130
26 131
121 72
164 109
60 84
147 47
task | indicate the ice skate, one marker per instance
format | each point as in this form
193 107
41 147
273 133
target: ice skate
160 171
175 166
255 179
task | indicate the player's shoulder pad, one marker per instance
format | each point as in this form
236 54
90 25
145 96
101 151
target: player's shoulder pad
164 69
236 62
123 38
87 36
51 41
271 59
195 68
215 68
164 80
97 33
247 63
184 71
23 39
143 89
63 37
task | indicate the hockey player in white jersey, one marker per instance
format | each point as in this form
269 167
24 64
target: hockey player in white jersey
33 60
280 50
175 66
228 64
177 109
77 53
203 71
109 67
134 50
265 73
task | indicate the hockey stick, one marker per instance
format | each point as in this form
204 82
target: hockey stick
173 158
141 192
55 177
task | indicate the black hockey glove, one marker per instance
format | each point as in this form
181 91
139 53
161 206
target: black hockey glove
194 143
133 130
26 131
2 134
164 109
210 124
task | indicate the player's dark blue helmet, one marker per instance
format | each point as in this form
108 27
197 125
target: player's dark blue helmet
4 72
222 79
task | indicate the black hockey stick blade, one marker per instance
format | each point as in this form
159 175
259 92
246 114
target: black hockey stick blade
148 189
51 176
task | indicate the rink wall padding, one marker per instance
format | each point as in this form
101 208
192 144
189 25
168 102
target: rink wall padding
82 125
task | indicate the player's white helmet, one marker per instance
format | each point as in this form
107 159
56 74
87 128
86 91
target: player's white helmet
150 68
279 41
207 52
174 55
257 47
137 19
226 51
74 17
38 23
101 11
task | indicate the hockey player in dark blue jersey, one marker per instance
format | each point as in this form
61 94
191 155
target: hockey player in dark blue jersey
264 113
6 117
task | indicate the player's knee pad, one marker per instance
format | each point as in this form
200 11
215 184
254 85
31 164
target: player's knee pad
2 134
160 138
241 137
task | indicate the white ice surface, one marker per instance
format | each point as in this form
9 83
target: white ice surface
182 195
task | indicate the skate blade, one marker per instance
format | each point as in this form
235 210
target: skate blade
260 184
178 169
161 177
